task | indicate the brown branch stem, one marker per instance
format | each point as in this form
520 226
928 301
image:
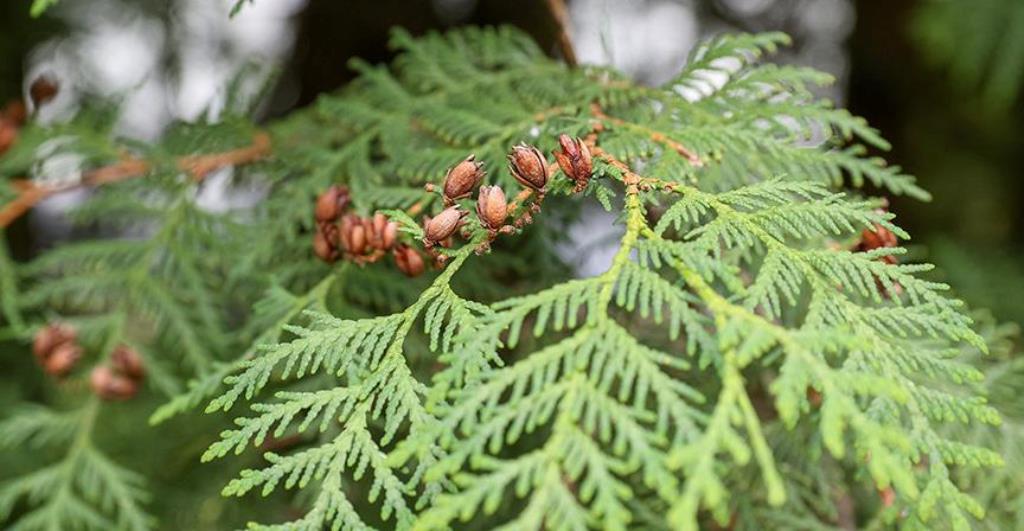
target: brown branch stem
655 136
561 17
197 166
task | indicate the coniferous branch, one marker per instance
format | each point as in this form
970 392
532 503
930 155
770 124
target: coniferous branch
281 308
578 473
980 43
9 292
196 166
731 326
368 355
85 489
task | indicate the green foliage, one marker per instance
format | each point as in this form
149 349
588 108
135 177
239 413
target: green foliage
499 392
41 6
85 487
981 42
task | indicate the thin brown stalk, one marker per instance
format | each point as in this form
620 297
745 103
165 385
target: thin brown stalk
561 16
197 166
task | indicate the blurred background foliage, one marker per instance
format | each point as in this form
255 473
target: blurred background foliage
941 80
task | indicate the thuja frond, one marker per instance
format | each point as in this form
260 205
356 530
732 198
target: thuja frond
737 325
551 409
160 283
9 292
271 316
134 277
377 400
980 43
83 490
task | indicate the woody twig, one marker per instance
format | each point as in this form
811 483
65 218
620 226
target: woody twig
561 16
197 166
657 136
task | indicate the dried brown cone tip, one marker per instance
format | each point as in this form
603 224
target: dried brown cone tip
12 117
443 225
888 496
50 336
43 90
381 232
460 181
528 166
8 135
62 359
492 207
575 160
876 238
409 261
331 203
109 384
879 237
814 396
14 113
323 246
128 362
352 234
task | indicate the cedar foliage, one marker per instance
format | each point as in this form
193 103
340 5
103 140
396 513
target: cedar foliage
981 44
736 363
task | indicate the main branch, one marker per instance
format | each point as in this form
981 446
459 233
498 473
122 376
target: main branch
656 136
197 166
561 16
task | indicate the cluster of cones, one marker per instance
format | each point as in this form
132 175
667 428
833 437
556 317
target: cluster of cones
364 240
120 379
530 169
57 350
347 236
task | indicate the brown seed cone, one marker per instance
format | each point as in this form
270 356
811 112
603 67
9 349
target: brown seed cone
528 166
323 248
409 261
345 229
352 234
491 207
357 240
376 230
128 362
15 113
331 233
390 235
460 181
879 237
62 359
813 396
8 135
443 225
331 203
575 160
43 90
50 336
888 496
110 385
380 222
